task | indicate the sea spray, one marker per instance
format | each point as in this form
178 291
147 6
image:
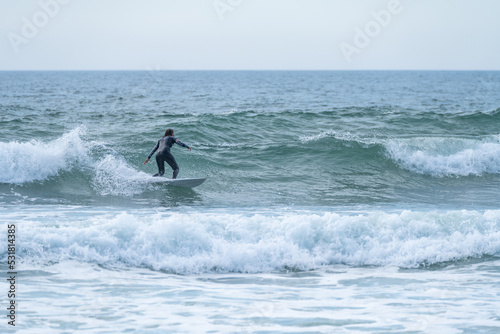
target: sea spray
446 156
114 176
188 243
107 172
37 160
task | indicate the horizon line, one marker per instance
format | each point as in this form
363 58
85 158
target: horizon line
247 70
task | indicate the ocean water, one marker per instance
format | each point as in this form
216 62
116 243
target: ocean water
335 202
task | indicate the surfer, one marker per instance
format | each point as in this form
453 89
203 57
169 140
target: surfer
163 146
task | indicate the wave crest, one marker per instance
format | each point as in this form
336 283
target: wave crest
447 156
235 242
38 161
33 161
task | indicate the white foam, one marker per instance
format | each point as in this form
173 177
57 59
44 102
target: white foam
446 156
343 136
37 161
114 176
314 138
235 242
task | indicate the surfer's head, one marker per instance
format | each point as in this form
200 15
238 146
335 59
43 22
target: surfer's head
169 132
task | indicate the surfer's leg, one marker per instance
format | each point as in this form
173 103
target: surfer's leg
161 165
171 161
176 172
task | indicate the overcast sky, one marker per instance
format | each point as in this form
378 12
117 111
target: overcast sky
249 34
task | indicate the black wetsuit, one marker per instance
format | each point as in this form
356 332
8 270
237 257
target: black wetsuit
163 146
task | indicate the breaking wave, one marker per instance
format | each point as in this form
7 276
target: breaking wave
226 241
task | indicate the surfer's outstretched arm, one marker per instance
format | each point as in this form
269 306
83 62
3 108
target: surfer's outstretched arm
152 152
178 142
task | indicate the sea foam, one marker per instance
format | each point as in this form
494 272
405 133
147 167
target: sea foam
37 161
108 172
446 156
112 175
222 241
341 136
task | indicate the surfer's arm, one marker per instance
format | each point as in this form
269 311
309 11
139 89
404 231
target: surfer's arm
178 142
152 152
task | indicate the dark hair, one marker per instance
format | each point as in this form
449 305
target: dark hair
169 132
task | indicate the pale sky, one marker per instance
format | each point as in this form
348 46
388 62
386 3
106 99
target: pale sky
249 34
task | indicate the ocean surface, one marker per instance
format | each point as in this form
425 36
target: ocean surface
335 202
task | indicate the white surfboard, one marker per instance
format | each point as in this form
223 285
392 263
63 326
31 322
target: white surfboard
185 183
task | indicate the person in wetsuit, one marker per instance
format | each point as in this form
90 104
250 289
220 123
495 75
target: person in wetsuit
163 146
